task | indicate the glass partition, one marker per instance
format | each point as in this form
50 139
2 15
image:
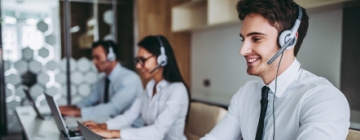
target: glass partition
37 42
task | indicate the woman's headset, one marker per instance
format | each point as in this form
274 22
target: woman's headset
162 58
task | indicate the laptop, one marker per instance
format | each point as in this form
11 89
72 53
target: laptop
70 133
90 135
39 115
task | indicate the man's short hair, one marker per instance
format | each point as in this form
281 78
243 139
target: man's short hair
106 45
281 14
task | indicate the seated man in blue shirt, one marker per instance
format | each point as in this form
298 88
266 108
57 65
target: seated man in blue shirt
288 102
113 93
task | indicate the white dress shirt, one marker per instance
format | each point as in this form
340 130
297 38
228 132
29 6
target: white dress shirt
307 107
164 113
125 86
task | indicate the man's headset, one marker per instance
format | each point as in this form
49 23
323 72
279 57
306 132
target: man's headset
162 58
111 55
287 38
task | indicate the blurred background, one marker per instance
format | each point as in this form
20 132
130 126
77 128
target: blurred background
46 47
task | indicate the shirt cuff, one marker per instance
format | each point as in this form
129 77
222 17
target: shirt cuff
110 124
125 134
84 112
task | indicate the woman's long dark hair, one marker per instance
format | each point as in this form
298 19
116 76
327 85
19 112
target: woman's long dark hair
171 71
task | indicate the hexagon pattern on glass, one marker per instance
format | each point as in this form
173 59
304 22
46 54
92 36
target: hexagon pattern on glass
90 78
12 104
76 78
42 26
43 52
9 92
84 90
27 53
72 64
35 67
36 90
19 91
43 78
13 79
64 91
21 66
50 39
83 64
60 78
52 65
52 90
7 65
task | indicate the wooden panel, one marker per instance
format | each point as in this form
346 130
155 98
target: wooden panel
154 17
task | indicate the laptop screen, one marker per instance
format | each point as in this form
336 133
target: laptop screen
56 115
87 133
32 103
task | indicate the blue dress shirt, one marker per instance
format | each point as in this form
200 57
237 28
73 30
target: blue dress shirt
125 86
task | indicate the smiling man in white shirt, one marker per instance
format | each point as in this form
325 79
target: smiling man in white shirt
288 102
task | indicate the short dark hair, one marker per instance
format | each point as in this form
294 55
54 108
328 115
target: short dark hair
106 45
280 13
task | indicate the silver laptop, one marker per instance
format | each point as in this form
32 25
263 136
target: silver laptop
68 133
90 135
42 115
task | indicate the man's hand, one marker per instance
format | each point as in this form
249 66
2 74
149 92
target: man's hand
70 111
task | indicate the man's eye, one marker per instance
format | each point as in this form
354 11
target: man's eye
255 39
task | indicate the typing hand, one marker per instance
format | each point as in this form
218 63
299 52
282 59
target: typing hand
107 134
70 111
93 125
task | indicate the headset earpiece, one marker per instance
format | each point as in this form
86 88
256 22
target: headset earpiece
162 58
111 55
287 39
284 36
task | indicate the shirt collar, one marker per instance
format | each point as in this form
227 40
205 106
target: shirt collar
284 79
115 72
149 87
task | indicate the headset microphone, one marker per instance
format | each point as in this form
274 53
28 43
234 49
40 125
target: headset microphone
162 58
287 38
158 66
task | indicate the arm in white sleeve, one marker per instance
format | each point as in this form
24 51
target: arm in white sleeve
121 100
229 127
324 114
128 117
176 104
92 98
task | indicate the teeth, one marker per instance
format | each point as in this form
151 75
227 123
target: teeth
252 60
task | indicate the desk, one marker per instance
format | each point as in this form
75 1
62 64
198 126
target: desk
34 128
37 129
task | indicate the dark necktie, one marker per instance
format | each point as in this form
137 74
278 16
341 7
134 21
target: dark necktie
264 102
106 91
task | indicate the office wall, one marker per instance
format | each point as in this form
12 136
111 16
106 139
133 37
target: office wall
215 53
154 18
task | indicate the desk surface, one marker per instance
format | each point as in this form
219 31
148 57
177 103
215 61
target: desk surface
37 129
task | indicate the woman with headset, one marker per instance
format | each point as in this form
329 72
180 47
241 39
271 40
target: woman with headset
164 104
